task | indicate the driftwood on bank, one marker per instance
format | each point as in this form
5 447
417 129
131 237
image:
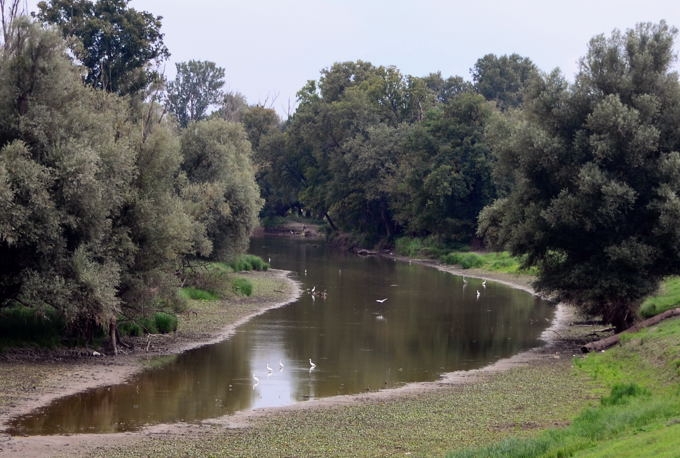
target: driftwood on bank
607 342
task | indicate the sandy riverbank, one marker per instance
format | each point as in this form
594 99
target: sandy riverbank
42 382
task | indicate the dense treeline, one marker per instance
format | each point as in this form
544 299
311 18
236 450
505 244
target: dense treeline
383 155
113 179
582 179
103 199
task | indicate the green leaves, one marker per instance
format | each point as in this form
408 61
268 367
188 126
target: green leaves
97 211
592 167
118 45
197 86
223 193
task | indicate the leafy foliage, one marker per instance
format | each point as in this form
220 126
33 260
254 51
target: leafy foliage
197 86
248 262
504 79
222 192
595 170
165 322
100 203
384 155
242 286
117 45
21 325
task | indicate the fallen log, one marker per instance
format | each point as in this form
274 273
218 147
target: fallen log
610 341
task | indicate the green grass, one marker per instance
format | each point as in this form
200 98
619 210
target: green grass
639 417
248 262
198 294
428 247
242 286
26 326
667 298
165 322
493 261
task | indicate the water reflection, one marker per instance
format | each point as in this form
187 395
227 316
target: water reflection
431 323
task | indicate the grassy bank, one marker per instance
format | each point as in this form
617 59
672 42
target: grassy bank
639 412
429 422
550 406
623 402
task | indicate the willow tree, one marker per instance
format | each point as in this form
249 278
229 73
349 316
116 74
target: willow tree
92 223
594 194
222 193
65 174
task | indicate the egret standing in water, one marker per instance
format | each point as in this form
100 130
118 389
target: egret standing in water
269 369
311 364
281 365
478 294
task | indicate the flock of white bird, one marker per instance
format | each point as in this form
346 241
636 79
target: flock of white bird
313 292
270 370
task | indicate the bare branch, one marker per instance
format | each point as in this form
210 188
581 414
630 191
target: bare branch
9 12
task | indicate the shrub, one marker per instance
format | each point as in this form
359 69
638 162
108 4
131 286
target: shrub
207 278
465 260
198 294
148 325
21 325
165 322
248 262
129 328
242 286
622 392
667 298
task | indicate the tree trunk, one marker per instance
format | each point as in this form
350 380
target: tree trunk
610 341
330 221
113 333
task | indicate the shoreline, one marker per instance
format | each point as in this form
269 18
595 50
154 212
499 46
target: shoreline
68 377
90 374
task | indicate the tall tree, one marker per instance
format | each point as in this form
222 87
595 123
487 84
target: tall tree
65 173
503 79
91 220
222 190
118 45
197 86
594 201
444 179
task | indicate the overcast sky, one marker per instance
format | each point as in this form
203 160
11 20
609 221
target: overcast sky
270 48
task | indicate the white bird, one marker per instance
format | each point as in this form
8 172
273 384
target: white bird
311 364
257 380
381 300
280 364
313 289
464 280
484 283
269 369
477 294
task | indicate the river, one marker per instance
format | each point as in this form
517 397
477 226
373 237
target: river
367 323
